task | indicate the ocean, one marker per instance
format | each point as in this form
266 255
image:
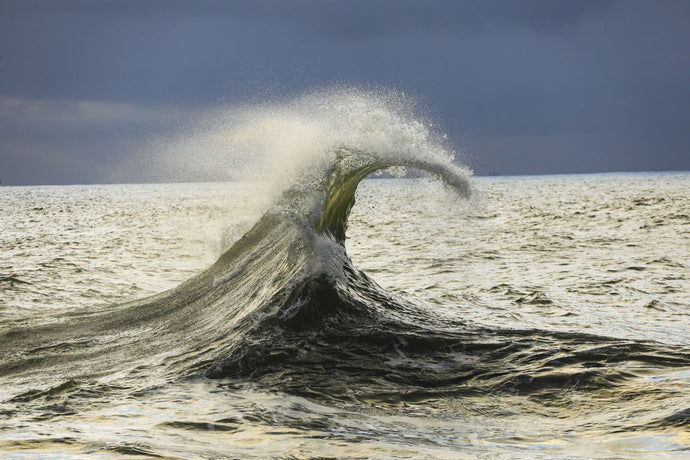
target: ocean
545 317
348 290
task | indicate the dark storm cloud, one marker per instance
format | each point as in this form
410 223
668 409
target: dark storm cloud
534 86
354 19
80 44
362 19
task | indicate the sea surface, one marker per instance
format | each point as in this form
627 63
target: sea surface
540 317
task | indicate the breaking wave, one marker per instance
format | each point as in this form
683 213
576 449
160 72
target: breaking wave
291 269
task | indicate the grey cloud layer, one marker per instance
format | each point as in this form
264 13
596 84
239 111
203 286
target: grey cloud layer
522 87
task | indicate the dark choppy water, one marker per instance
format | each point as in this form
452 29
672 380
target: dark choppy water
546 318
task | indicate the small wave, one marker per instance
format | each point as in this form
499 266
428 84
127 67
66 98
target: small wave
12 280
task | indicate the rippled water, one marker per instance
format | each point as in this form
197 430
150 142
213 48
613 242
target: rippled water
599 254
547 317
88 246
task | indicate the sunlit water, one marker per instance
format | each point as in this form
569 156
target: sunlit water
557 311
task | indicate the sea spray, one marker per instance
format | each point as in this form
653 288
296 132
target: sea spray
293 140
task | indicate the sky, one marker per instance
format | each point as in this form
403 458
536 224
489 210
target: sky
521 86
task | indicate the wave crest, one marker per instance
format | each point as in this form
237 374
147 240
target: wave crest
352 166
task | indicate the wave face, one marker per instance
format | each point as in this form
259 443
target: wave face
284 310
